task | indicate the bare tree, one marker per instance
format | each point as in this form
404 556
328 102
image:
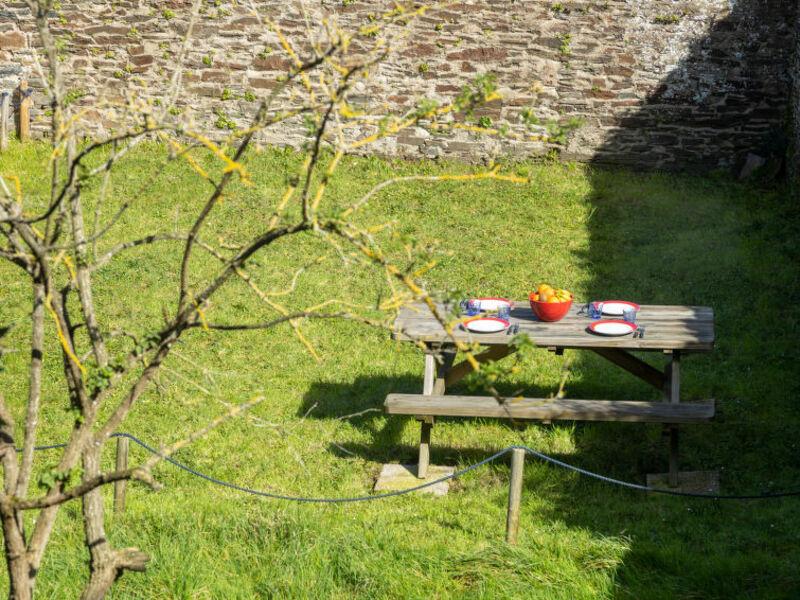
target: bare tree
60 251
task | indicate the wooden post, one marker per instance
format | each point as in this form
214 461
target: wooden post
4 123
120 486
24 113
514 494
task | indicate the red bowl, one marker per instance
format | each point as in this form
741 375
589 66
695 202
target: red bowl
550 311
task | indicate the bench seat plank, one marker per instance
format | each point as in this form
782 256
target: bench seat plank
550 409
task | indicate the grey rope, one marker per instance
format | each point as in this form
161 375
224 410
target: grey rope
544 457
5 95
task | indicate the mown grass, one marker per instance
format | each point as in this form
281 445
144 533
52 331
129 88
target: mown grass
653 238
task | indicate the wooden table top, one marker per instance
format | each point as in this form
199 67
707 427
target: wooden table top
689 328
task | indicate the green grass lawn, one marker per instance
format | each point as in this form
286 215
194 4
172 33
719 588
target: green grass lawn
656 239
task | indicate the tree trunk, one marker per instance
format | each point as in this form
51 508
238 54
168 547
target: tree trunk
34 386
82 275
106 564
21 573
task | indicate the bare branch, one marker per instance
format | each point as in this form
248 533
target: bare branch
150 239
59 196
106 169
138 474
359 413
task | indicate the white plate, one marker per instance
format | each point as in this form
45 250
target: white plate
614 308
492 304
486 325
612 327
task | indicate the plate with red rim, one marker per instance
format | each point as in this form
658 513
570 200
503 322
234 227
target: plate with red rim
614 308
492 304
612 327
485 324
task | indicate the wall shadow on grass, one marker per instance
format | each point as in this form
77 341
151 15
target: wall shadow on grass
665 239
672 239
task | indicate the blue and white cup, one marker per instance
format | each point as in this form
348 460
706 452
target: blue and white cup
470 307
504 312
595 310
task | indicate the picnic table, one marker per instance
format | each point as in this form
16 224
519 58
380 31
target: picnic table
674 331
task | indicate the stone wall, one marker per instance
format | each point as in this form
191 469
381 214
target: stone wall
667 84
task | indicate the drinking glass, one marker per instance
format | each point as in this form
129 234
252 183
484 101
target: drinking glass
504 312
629 314
595 310
470 307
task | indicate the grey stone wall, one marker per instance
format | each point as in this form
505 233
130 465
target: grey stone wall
664 84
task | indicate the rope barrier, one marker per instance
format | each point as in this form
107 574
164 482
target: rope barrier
4 95
544 457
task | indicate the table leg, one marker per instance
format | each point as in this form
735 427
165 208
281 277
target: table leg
430 374
433 384
672 388
672 378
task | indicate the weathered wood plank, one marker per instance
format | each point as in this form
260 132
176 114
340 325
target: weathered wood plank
668 328
523 309
550 409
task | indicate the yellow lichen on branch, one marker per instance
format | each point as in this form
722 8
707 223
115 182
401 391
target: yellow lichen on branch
230 165
277 307
17 188
64 343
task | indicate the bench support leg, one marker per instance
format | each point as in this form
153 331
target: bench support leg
424 448
672 387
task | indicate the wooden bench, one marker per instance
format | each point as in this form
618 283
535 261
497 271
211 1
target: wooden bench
426 407
550 409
